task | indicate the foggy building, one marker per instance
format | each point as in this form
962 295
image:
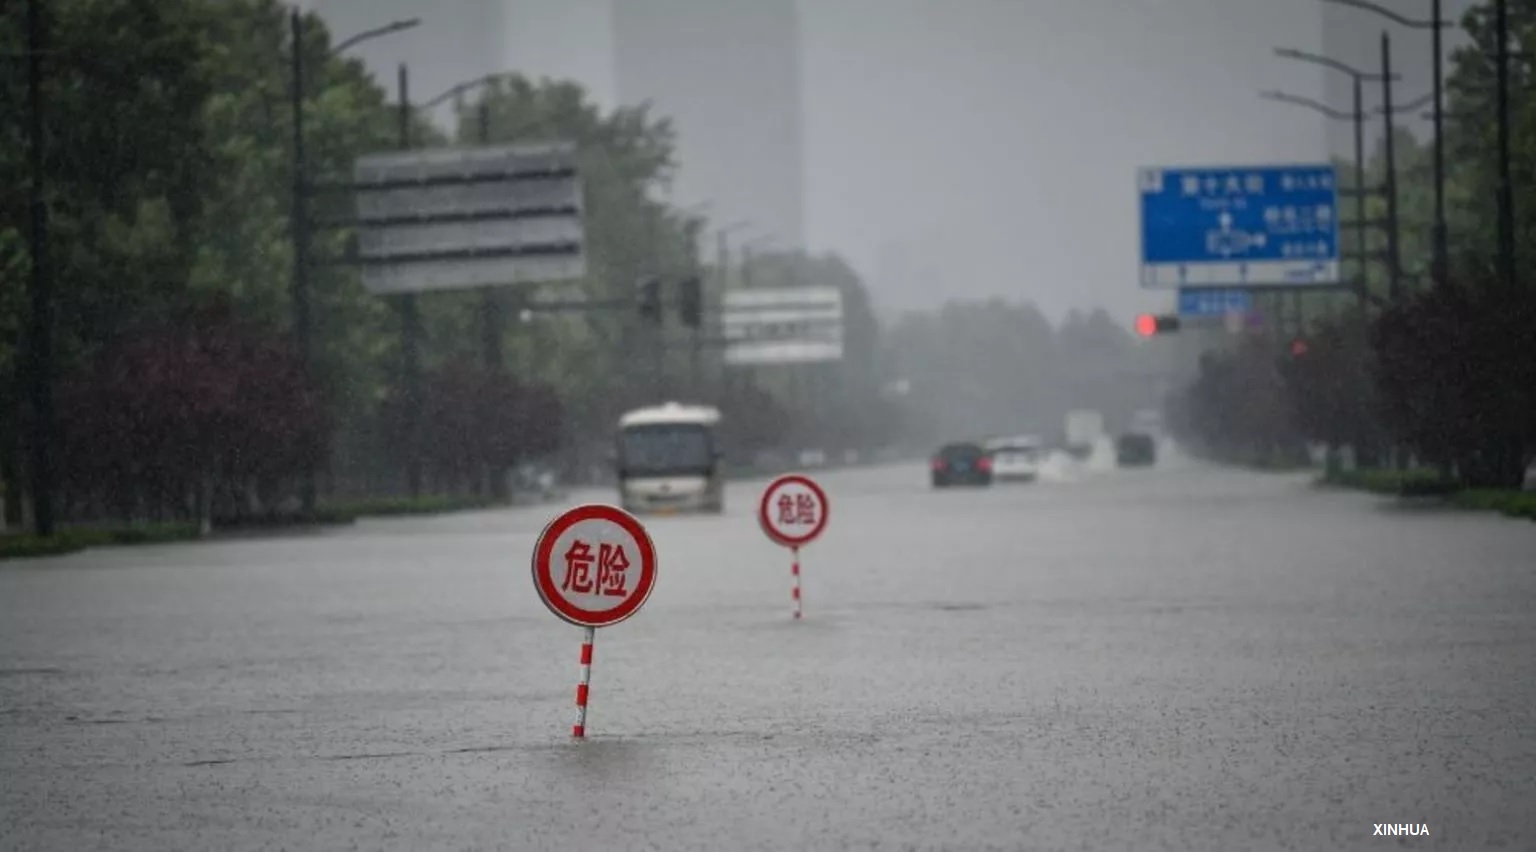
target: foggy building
727 72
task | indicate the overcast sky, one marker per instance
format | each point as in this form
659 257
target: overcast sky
977 147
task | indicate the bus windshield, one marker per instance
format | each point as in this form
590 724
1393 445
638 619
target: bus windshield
673 448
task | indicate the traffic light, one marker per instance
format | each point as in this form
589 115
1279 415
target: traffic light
1150 325
690 301
648 300
1299 347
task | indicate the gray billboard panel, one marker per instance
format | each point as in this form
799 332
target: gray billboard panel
455 273
451 218
782 325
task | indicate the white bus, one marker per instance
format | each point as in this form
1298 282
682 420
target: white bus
668 459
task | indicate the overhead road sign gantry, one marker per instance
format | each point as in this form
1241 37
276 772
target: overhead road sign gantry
1247 227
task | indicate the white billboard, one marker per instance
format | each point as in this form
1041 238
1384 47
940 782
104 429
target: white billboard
450 218
782 325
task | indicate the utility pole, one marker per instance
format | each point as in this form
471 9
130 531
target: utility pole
1394 259
1360 191
727 383
40 350
298 226
410 321
491 325
1506 198
658 331
696 336
1440 264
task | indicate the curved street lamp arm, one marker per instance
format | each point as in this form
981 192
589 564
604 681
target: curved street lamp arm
1298 100
1328 62
466 86
393 27
1367 5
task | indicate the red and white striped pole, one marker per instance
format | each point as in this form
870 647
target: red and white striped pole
580 728
794 571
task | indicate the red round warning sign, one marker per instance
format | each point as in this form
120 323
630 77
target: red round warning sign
794 510
594 565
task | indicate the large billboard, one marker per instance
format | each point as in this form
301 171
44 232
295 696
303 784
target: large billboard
452 218
782 325
1239 227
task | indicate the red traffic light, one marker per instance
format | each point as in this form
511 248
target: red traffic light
1298 348
1149 325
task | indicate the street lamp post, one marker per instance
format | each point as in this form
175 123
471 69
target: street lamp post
1506 197
692 218
1358 79
1394 256
298 220
722 284
492 324
1357 86
40 342
410 322
747 262
723 254
1440 262
747 259
1357 117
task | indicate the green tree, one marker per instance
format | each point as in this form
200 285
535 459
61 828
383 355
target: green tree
125 158
246 250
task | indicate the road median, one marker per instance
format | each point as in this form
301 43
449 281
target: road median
73 539
1421 483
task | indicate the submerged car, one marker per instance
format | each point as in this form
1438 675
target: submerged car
1015 459
1135 449
961 463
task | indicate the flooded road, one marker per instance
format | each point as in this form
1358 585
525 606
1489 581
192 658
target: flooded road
1181 658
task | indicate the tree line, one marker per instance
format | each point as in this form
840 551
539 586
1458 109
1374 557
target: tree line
1444 375
168 177
991 367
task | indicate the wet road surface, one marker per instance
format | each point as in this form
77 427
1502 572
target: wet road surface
1181 659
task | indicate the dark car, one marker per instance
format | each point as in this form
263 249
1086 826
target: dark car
1135 450
961 464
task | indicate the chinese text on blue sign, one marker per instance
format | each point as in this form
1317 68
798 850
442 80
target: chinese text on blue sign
1239 226
1214 303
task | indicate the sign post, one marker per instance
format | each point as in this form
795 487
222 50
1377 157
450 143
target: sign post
793 512
593 566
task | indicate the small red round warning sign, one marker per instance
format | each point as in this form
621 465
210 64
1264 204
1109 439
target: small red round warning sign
594 565
793 511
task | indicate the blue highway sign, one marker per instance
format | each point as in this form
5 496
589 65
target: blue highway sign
1240 226
1214 303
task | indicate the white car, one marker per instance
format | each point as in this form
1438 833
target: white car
1016 459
